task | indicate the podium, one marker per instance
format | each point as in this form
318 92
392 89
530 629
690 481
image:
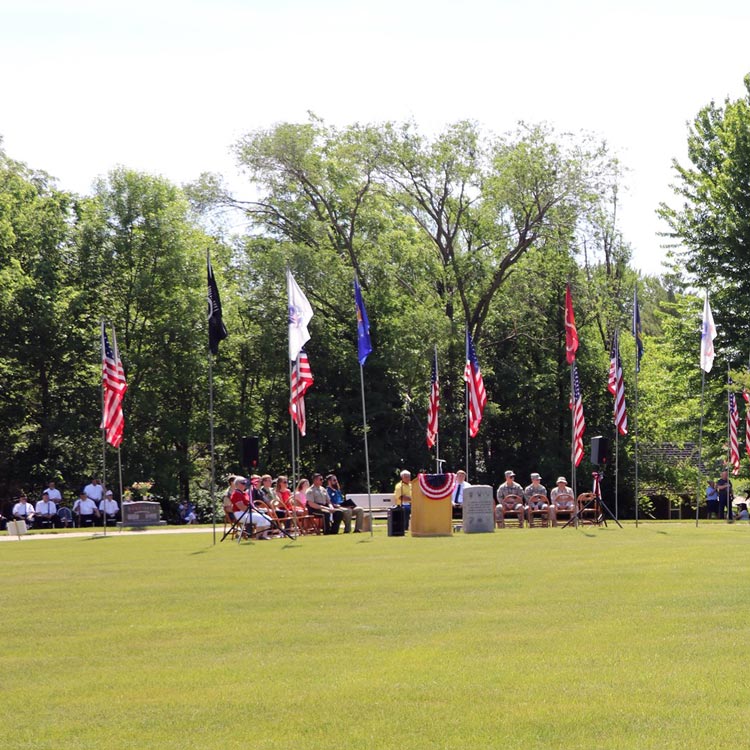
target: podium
431 507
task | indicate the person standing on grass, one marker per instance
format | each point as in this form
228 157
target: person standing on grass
712 500
726 495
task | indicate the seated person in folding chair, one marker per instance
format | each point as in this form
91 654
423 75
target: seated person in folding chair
566 505
536 488
86 510
347 507
269 498
319 505
509 487
23 510
46 512
187 512
458 494
109 508
242 509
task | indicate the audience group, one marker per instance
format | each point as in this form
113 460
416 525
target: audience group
272 508
93 507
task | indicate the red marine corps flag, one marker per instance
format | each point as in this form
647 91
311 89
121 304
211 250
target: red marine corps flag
571 334
434 407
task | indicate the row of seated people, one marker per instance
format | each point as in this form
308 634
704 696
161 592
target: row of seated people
52 513
533 504
271 508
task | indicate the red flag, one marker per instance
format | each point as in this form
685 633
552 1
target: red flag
434 407
114 386
746 396
616 386
571 335
475 386
302 379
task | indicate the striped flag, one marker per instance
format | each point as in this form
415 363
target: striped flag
434 407
571 334
302 379
746 396
734 447
616 387
579 424
475 387
114 386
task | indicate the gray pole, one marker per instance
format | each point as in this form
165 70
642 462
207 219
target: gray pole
367 454
211 429
104 438
700 446
437 434
635 434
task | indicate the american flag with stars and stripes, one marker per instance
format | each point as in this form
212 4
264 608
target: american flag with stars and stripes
746 396
579 424
434 407
616 387
114 386
475 387
734 447
302 379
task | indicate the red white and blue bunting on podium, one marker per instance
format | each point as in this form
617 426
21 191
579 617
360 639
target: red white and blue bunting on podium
437 486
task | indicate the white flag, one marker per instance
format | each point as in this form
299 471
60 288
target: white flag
708 334
300 314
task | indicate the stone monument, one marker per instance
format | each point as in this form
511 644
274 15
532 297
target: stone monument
478 510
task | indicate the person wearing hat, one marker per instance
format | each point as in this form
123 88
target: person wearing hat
109 508
510 487
535 488
561 498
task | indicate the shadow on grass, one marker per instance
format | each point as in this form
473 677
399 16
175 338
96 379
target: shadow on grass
94 537
666 533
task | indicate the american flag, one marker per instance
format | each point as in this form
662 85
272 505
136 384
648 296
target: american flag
302 379
579 424
434 407
734 447
616 386
571 334
114 385
746 396
475 386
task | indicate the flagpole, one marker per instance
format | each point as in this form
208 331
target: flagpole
466 405
635 431
617 469
729 445
573 433
291 431
620 377
211 433
367 454
437 433
104 435
119 469
700 446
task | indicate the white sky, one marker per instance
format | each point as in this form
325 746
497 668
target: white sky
167 86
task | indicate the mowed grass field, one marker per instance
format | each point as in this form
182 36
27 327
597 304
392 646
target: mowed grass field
538 638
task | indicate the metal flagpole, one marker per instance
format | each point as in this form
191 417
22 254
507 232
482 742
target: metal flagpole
466 399
104 438
367 455
729 446
291 432
700 446
617 469
437 433
635 433
119 469
211 429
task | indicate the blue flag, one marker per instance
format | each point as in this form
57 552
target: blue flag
364 345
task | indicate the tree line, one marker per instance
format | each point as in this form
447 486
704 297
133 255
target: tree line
461 230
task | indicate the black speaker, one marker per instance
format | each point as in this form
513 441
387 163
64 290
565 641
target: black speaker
599 450
250 452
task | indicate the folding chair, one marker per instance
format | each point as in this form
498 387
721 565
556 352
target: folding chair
562 507
512 506
537 515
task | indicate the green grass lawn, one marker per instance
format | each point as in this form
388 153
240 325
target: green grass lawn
538 638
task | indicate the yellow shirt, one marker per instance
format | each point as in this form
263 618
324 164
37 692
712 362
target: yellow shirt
402 488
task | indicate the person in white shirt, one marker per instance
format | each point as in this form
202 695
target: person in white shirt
46 511
86 510
53 493
23 510
109 508
94 491
458 493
